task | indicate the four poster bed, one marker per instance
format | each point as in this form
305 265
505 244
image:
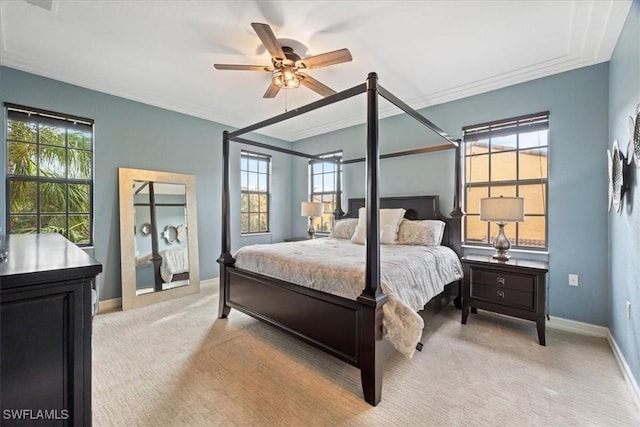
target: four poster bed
349 327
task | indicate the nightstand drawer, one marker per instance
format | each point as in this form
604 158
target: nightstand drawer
502 280
502 295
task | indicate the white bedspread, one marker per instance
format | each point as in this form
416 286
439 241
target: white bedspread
174 261
410 276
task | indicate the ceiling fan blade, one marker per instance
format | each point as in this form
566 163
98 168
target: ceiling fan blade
272 91
325 59
316 86
241 67
268 39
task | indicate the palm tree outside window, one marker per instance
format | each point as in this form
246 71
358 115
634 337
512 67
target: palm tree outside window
49 173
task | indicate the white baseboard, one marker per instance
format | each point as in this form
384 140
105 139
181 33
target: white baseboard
109 305
567 325
624 367
581 328
115 304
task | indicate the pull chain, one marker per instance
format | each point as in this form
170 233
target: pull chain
285 101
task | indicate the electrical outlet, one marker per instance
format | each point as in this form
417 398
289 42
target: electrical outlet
628 308
573 280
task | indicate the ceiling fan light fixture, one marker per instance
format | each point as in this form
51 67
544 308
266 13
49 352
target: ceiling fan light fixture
287 65
286 78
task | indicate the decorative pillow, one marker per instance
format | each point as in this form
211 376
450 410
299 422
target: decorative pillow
360 235
424 233
344 228
389 223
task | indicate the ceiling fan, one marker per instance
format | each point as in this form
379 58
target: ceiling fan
286 66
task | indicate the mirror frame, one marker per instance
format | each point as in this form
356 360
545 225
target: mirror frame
127 245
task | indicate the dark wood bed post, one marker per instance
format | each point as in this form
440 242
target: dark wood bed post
156 259
457 211
225 256
338 212
372 299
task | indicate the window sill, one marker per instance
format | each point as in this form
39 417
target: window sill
255 234
543 255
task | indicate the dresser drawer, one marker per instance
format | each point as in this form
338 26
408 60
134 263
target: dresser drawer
504 296
503 280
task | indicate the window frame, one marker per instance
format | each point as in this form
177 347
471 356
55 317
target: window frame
246 154
40 117
514 126
317 196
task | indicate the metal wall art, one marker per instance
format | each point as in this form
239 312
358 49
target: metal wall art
145 230
616 164
172 234
633 152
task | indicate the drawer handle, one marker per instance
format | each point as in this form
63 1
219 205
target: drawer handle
500 294
501 280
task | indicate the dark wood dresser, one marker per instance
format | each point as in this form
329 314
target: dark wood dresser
515 287
45 329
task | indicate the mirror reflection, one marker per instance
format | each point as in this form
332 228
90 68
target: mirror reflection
162 253
158 236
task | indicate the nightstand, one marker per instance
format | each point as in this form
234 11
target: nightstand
296 239
516 288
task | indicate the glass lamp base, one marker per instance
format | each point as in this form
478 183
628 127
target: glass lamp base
501 244
311 231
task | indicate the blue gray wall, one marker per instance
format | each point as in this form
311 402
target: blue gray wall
134 135
578 105
624 227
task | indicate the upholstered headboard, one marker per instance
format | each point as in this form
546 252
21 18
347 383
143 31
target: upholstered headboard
417 207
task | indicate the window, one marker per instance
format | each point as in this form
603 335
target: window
49 174
508 158
324 188
254 199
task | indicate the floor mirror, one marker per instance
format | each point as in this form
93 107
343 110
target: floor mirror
158 236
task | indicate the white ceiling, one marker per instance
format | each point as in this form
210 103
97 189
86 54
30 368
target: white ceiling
425 52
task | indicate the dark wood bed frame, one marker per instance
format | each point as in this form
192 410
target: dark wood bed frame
350 330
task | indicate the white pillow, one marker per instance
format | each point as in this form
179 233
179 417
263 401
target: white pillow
360 235
424 233
390 220
344 228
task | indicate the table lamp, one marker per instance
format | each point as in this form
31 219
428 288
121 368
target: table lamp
502 210
312 210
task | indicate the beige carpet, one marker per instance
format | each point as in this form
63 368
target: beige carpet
174 363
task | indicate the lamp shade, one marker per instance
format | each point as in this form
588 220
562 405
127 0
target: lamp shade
502 209
311 209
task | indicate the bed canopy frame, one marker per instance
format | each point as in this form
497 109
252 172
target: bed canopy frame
367 353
